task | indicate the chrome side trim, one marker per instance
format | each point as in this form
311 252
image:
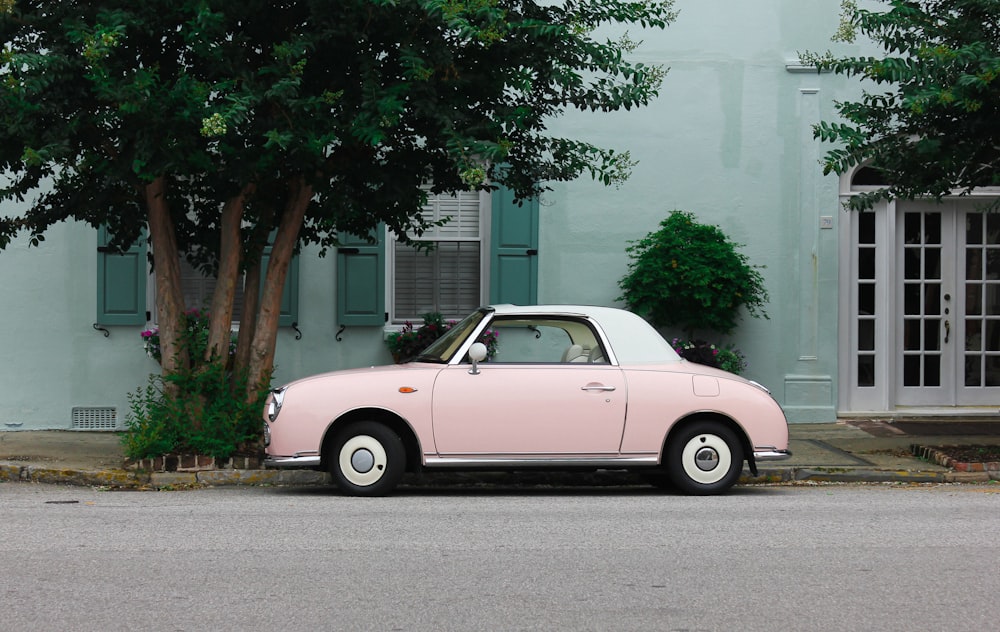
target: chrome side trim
494 461
768 453
279 462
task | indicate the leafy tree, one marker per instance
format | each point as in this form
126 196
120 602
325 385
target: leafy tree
690 275
933 127
213 124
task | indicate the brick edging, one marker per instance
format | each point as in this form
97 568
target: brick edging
933 454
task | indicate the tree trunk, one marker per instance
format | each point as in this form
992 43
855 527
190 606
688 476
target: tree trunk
266 330
167 272
248 323
230 249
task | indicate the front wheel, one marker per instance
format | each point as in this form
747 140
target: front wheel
705 457
367 459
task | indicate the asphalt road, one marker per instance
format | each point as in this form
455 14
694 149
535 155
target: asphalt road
761 558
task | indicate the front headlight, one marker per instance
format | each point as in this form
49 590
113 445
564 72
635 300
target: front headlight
274 403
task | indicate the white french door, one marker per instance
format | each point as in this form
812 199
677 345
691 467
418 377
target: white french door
947 305
922 309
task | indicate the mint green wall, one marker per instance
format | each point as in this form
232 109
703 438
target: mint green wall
729 139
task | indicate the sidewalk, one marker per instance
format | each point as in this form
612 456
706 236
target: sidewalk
859 451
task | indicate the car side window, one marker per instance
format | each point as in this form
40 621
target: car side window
548 341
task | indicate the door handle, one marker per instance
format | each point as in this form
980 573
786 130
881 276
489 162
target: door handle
597 387
947 330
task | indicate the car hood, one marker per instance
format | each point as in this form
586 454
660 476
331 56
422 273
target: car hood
384 369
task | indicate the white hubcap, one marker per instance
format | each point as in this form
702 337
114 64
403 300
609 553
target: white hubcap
706 459
363 460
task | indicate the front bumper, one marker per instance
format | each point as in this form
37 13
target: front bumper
289 462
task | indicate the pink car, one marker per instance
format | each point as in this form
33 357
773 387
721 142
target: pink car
564 387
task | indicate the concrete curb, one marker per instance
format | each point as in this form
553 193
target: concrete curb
129 479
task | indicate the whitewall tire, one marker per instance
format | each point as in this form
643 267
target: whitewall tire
705 457
367 459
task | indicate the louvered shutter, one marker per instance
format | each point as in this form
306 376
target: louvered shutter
121 283
361 281
514 250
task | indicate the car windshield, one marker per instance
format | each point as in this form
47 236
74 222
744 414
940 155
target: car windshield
444 347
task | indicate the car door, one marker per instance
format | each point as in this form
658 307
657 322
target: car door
539 397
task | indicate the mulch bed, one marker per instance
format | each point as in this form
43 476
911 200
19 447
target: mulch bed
962 458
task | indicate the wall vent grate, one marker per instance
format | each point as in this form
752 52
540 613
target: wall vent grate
95 418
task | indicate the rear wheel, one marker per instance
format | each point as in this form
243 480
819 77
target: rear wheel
705 457
367 459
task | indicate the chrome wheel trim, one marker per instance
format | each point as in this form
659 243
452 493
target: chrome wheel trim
363 460
706 458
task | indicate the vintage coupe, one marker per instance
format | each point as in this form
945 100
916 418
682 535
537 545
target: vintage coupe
566 387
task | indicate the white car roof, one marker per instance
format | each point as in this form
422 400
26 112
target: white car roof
633 340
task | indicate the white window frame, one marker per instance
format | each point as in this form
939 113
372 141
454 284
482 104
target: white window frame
397 320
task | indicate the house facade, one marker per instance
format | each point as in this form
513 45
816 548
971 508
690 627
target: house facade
892 312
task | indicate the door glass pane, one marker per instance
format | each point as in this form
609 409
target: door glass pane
932 370
866 263
932 263
973 264
866 299
973 299
991 339
932 335
866 335
911 370
911 263
932 300
974 228
993 299
932 228
992 370
992 228
973 335
866 228
992 264
911 300
973 371
911 335
866 370
912 233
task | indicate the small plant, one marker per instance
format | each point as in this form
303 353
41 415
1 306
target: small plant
691 276
196 323
409 342
727 358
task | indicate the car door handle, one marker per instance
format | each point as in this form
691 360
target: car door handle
597 387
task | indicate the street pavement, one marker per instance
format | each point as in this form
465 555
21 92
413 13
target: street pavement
854 451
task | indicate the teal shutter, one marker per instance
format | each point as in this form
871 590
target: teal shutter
290 294
361 280
121 283
514 250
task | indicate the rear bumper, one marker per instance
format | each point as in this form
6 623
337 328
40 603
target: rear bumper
767 453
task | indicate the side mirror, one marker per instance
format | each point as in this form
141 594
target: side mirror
477 353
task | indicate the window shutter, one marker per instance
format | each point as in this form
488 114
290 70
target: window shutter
514 250
121 283
290 294
361 280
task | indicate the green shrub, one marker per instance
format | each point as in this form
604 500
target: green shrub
201 413
198 410
689 275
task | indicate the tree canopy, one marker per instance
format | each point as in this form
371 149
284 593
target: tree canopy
933 125
220 126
